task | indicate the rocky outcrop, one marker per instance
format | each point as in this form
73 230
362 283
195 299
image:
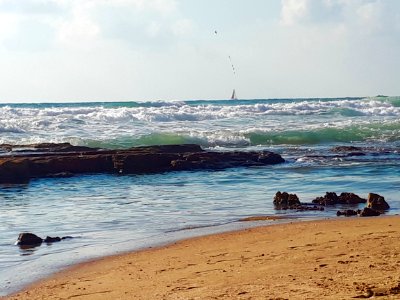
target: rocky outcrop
286 201
376 205
377 202
347 212
28 239
43 160
332 198
369 212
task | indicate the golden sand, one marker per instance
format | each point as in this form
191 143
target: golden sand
329 259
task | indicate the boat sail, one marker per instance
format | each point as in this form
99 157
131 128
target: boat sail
233 97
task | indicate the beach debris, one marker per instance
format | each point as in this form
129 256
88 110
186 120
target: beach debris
29 240
377 202
331 198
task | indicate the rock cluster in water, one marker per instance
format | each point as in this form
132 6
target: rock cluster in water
27 239
59 160
286 201
376 204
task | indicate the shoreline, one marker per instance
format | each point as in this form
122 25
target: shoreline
296 260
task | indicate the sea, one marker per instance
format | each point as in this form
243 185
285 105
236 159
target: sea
111 214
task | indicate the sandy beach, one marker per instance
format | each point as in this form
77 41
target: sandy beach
329 259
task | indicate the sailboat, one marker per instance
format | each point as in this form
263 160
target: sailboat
233 97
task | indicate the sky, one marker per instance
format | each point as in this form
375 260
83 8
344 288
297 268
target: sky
147 50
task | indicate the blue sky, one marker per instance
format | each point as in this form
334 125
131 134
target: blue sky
120 50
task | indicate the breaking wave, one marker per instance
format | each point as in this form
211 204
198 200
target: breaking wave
233 123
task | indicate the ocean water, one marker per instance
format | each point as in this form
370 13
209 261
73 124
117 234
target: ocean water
109 214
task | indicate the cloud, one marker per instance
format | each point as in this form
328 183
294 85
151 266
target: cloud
30 7
80 23
366 16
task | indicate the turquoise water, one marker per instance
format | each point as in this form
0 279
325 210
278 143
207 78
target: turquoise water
108 214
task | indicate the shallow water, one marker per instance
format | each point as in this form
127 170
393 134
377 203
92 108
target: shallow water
108 214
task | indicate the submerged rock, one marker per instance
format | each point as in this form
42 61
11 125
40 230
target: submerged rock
346 149
347 212
28 240
50 239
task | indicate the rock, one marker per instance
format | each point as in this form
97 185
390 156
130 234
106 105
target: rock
350 198
303 207
369 212
347 213
57 160
331 198
346 149
28 239
50 239
377 202
285 200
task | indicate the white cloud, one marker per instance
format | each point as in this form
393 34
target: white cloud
293 11
182 27
80 29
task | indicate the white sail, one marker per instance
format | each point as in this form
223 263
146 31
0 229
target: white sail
233 97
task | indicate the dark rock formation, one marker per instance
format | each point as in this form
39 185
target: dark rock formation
350 198
377 202
50 239
66 160
347 213
369 212
45 147
346 149
331 198
28 239
291 201
286 200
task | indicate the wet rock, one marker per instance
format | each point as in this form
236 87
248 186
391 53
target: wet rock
355 154
346 149
305 207
332 198
28 239
377 202
67 160
369 212
286 200
350 198
50 239
347 213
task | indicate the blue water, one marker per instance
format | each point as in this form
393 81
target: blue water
108 214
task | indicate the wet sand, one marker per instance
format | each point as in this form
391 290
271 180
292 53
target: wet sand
329 259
